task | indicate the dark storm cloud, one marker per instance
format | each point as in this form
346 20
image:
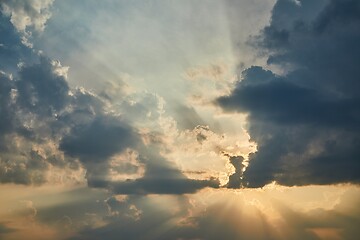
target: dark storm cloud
306 123
284 102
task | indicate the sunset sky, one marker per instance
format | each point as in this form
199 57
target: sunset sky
180 119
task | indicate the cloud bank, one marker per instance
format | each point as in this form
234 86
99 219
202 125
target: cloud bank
305 121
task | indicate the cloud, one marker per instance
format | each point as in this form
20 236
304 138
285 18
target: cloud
162 185
83 130
187 117
5 230
100 139
42 87
161 176
29 137
6 122
304 121
27 16
11 50
95 142
51 131
235 178
154 220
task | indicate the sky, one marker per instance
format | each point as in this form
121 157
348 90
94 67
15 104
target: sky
179 119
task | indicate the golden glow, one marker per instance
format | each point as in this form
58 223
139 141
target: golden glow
251 212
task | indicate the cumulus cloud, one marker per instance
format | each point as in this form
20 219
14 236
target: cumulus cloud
27 16
305 121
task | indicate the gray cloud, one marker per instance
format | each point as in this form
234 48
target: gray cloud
28 17
95 142
162 185
306 121
160 177
235 178
100 139
28 112
5 230
41 89
6 121
11 50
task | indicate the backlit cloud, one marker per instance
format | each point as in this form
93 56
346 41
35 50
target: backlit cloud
305 121
179 119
